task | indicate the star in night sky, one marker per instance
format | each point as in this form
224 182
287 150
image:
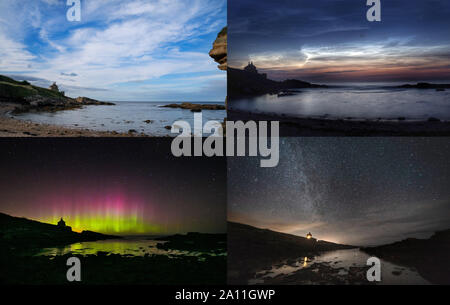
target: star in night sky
360 191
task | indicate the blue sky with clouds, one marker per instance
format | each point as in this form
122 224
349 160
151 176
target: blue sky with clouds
150 50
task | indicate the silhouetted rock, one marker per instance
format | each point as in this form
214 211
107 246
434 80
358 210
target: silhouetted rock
196 107
194 241
249 82
429 256
426 86
21 233
108 268
251 249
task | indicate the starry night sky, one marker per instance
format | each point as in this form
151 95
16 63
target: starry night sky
120 186
356 191
331 41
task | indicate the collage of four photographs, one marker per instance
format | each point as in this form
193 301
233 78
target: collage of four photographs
95 94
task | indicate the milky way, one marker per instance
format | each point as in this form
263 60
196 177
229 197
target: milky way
349 190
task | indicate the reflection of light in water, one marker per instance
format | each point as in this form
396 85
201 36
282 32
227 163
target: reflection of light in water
123 247
352 102
341 261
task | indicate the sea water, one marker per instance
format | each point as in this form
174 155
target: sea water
127 246
342 261
144 117
358 102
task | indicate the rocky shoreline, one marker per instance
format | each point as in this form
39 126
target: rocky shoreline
428 256
20 97
321 274
115 269
12 127
21 239
48 104
252 249
294 126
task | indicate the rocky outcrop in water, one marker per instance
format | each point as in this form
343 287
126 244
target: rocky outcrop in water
426 86
195 107
194 241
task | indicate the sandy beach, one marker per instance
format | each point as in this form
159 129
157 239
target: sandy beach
11 127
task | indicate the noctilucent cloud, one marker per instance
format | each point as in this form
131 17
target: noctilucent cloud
354 191
332 41
151 50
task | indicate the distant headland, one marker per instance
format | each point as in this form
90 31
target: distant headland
22 233
249 82
33 98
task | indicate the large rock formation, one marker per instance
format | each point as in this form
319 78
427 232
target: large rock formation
219 50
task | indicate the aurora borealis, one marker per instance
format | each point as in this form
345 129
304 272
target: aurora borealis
113 213
120 187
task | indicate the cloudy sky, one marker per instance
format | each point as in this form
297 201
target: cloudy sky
120 50
355 191
332 41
